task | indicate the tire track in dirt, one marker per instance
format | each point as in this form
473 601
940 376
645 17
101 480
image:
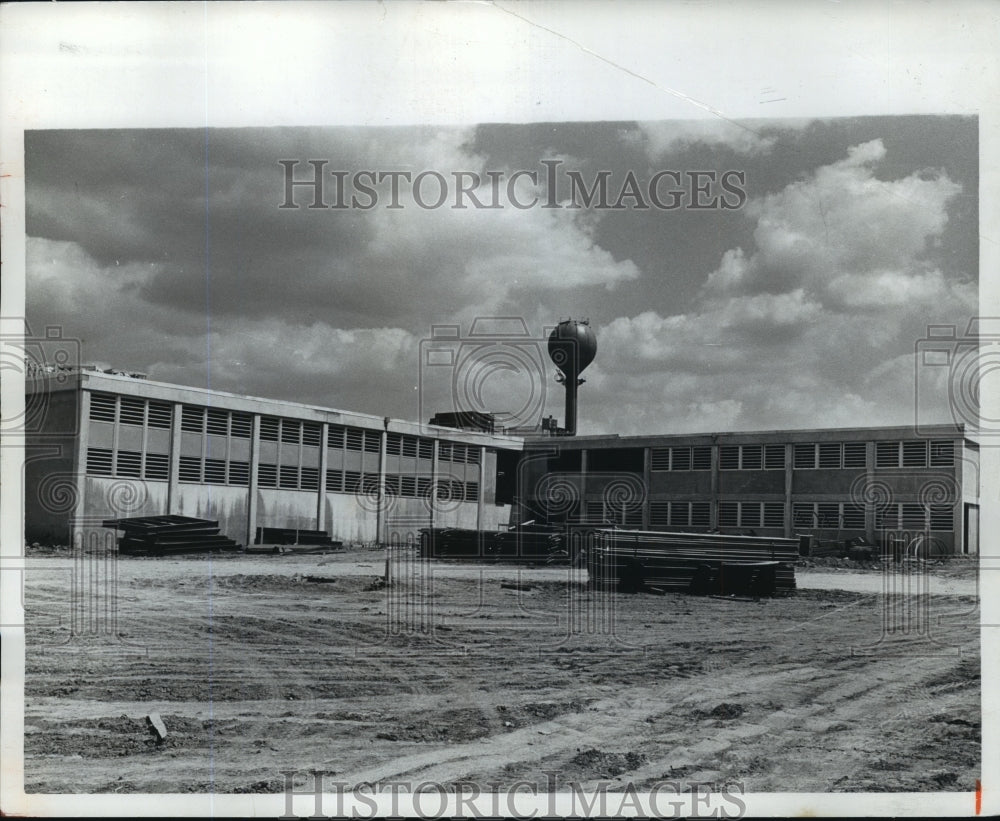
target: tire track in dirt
274 673
622 719
820 699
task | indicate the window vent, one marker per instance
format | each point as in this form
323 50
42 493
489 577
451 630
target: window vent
99 461
102 407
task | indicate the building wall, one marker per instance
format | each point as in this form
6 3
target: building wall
249 462
970 473
227 505
51 478
252 463
877 483
970 498
112 498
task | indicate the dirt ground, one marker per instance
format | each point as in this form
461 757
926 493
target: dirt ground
259 665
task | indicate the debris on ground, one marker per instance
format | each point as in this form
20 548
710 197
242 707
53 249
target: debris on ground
157 725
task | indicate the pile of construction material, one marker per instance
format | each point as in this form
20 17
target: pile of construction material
164 535
454 543
294 536
703 563
534 544
858 548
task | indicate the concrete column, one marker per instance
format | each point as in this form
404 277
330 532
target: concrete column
80 465
379 512
145 440
432 500
173 473
958 509
324 460
713 508
482 487
869 481
114 436
299 450
583 486
252 484
647 469
789 476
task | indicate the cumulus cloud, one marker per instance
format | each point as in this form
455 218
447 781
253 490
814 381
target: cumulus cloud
879 290
102 306
465 262
815 324
847 237
220 242
768 313
167 252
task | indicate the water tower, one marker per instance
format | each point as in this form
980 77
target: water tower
572 347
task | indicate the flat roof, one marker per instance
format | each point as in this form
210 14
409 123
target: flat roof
170 392
611 440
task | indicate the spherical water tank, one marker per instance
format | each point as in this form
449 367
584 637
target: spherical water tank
572 346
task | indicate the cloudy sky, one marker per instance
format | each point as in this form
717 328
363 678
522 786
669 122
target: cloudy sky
166 251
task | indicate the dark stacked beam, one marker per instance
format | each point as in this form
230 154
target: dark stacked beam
289 536
163 535
705 563
533 544
456 543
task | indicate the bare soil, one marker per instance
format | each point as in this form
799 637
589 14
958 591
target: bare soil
259 665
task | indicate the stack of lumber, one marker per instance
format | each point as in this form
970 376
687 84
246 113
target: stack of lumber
525 544
289 536
456 543
163 535
531 543
706 563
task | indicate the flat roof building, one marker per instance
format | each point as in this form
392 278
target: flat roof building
101 446
111 446
837 484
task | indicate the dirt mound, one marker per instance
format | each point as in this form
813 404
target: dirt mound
114 737
605 764
273 582
452 726
726 711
